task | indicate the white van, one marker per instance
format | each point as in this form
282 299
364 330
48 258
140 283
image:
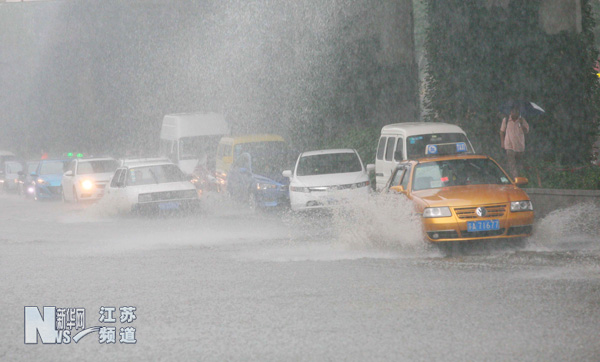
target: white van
402 141
189 138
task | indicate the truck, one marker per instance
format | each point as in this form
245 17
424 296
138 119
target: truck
188 139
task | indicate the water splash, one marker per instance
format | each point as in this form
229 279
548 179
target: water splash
383 221
574 227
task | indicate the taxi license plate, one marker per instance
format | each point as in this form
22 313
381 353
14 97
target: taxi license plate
168 205
483 225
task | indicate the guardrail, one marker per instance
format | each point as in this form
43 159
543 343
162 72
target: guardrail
547 200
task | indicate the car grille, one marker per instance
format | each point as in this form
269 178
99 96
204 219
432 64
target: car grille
56 190
481 234
172 195
469 212
331 188
100 186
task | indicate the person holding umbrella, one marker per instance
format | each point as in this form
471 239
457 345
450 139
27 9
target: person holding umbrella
512 138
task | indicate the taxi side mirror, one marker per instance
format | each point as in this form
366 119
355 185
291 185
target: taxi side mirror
521 181
287 173
370 168
398 189
68 173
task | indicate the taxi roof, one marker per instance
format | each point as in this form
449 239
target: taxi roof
435 158
417 128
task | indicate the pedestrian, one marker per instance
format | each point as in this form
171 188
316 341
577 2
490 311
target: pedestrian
512 138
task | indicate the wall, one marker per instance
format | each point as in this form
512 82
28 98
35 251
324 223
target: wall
548 200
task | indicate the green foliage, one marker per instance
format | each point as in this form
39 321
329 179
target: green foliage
362 139
552 175
480 57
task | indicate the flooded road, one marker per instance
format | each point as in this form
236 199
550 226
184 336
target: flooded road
228 284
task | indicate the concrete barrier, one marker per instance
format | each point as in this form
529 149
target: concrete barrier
548 200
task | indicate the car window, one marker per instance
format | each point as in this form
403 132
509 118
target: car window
399 149
405 177
381 148
116 177
157 174
13 167
459 172
52 168
389 148
71 166
32 167
396 178
328 163
99 166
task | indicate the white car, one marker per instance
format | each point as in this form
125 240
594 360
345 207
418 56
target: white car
151 186
327 178
86 179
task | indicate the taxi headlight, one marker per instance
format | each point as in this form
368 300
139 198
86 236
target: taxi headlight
87 185
437 212
299 189
517 206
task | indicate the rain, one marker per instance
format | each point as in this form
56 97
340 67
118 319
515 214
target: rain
216 271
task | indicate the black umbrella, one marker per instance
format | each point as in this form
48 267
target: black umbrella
528 109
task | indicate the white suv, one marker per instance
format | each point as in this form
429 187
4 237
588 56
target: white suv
86 178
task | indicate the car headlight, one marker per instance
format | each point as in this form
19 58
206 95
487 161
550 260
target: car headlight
41 181
265 186
144 197
299 189
437 212
517 206
87 184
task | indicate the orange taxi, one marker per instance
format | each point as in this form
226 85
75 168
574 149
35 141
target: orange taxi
464 197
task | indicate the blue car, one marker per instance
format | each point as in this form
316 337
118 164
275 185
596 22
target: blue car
260 184
47 179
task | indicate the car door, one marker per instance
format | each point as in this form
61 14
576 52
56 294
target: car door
67 181
113 189
12 169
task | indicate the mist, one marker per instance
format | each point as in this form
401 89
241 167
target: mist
98 77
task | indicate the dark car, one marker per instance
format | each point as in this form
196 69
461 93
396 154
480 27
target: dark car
47 179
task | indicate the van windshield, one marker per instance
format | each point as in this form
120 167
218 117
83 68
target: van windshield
415 145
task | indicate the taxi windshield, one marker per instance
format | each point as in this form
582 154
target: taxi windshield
461 172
